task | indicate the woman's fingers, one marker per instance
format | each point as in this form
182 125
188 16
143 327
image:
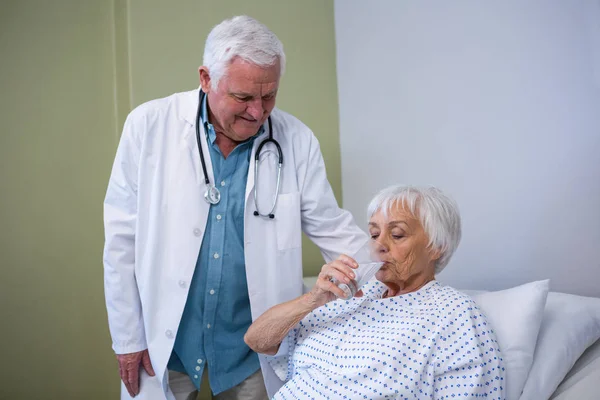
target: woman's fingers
336 290
340 269
326 290
347 260
333 273
326 276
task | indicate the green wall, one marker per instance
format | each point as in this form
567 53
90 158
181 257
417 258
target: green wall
70 73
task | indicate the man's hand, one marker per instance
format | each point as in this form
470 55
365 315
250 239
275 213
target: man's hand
129 369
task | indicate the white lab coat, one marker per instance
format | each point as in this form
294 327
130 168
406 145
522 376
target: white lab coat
155 216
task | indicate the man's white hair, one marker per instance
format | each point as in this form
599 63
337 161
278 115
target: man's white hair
242 37
437 213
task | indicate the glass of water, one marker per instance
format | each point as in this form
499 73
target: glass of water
369 261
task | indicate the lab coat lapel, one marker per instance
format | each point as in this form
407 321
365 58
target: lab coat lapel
188 113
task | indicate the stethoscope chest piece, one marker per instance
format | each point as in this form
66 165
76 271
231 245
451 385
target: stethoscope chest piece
212 194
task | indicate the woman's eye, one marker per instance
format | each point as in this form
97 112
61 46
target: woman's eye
374 235
397 236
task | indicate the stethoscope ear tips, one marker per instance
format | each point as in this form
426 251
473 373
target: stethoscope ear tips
256 213
271 216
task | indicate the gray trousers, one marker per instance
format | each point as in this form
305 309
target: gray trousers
253 388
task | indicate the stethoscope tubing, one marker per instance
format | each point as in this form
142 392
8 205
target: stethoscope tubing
212 194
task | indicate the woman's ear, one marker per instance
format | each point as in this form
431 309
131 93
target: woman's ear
434 254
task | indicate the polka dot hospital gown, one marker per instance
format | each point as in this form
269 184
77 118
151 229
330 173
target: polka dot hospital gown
434 343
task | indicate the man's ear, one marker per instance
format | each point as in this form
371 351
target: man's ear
204 79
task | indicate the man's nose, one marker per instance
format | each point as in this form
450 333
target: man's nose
255 109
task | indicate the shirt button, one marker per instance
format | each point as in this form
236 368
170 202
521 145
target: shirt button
197 368
208 326
212 291
199 361
219 217
216 255
169 334
222 183
195 376
197 232
182 284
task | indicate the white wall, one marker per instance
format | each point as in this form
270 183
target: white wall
498 104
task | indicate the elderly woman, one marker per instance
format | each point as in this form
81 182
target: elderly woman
404 335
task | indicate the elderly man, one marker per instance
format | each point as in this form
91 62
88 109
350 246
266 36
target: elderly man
198 243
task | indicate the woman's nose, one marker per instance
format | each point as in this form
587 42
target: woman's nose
380 247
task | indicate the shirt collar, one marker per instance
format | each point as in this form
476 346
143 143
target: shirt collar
210 129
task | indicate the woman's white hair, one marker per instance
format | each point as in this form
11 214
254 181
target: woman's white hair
242 37
437 212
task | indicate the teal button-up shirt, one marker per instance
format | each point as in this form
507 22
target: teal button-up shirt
217 312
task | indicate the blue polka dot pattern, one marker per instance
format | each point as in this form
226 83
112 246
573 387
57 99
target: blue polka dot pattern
434 343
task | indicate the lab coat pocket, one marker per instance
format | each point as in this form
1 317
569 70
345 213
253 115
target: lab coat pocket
287 219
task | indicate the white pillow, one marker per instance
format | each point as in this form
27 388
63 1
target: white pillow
515 315
571 324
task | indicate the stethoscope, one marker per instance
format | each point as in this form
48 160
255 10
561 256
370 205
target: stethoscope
212 194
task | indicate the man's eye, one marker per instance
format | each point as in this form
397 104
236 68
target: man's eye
242 98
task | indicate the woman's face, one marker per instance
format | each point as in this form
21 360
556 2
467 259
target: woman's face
408 260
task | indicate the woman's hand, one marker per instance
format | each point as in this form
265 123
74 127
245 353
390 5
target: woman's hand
268 330
338 271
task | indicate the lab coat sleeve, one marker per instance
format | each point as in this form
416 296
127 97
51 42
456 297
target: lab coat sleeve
120 214
328 226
